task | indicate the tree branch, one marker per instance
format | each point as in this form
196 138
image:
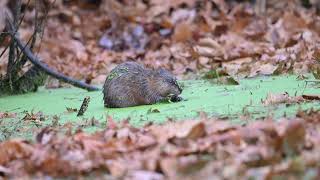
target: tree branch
35 61
12 50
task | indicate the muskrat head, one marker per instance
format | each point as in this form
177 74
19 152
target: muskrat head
166 83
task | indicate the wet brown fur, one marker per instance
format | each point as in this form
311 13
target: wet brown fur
131 84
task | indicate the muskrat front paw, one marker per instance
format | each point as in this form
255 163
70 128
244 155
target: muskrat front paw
176 99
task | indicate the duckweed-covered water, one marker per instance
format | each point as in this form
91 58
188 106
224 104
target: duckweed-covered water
230 101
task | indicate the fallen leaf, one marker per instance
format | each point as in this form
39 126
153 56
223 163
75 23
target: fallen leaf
14 149
293 137
273 99
311 97
71 110
7 115
144 175
153 111
182 32
191 130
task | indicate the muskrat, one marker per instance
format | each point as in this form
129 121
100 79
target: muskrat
131 84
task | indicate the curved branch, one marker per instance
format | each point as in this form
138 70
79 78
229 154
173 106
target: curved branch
35 61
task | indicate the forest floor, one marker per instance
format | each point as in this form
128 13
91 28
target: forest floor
258 119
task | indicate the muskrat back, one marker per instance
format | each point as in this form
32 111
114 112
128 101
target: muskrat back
131 84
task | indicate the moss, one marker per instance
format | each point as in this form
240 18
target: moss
29 82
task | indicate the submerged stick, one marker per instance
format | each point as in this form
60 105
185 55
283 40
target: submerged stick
84 106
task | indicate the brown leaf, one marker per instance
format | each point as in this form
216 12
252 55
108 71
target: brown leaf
228 80
111 124
169 167
14 149
256 156
196 131
293 22
192 130
36 117
293 137
182 32
116 168
71 110
311 97
7 115
273 99
262 69
144 175
45 135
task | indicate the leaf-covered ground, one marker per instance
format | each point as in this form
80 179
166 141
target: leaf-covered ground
85 39
205 148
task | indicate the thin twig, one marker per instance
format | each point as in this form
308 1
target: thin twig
21 62
43 22
10 27
5 49
38 29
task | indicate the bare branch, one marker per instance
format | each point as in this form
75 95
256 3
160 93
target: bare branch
31 42
4 51
35 61
12 53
